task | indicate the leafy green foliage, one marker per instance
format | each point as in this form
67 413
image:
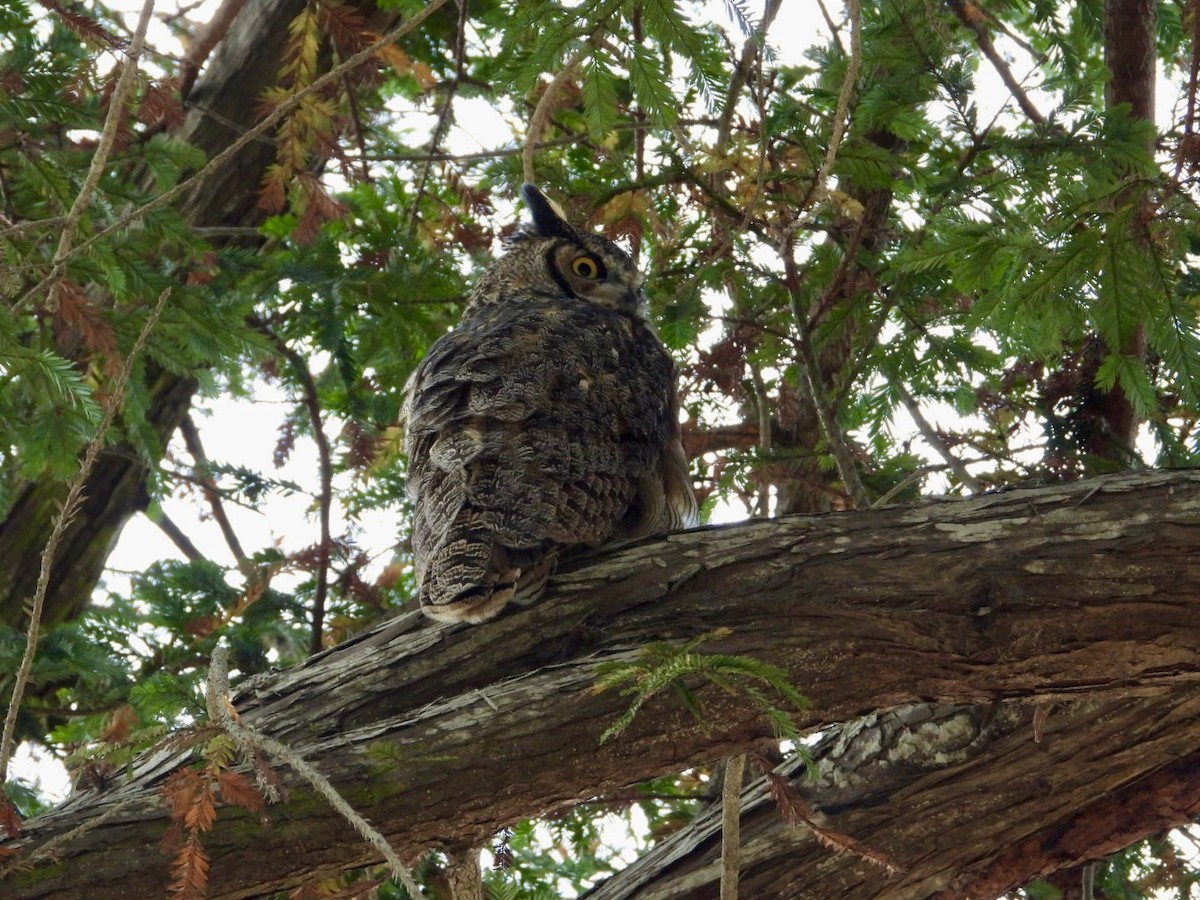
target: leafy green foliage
1014 278
661 665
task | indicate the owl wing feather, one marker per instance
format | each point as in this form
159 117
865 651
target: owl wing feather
536 426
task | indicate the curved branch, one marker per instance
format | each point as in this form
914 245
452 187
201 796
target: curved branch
441 734
108 137
252 134
70 508
312 404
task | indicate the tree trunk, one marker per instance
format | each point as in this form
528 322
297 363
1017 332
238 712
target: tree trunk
1129 54
1069 611
219 107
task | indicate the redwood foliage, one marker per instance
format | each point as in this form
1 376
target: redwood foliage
942 248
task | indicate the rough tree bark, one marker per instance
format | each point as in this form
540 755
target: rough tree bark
1069 611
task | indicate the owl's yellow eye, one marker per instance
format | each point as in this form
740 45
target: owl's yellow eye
586 267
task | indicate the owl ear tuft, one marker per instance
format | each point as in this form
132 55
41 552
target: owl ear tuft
548 219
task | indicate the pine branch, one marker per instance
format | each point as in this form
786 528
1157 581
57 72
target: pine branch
68 511
108 136
269 122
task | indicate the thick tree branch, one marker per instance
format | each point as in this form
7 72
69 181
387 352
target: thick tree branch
1081 595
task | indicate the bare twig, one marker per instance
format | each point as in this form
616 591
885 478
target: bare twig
277 114
21 227
228 231
1186 149
834 31
973 19
324 499
356 126
191 438
312 403
764 438
751 51
500 152
814 381
1013 36
842 111
444 115
176 535
69 508
108 136
935 440
220 711
1087 881
831 428
541 113
895 490
731 820
50 849
639 135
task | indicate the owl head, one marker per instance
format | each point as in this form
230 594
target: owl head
551 257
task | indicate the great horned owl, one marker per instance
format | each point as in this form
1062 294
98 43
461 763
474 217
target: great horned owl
546 420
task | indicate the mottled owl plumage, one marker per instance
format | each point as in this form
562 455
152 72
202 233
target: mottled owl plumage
546 420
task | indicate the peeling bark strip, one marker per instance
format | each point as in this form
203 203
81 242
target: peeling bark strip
1084 595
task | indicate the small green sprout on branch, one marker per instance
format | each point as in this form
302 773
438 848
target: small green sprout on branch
663 665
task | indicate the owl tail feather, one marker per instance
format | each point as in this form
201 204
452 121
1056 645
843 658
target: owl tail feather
463 590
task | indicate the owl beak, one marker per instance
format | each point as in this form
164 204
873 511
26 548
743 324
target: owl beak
635 300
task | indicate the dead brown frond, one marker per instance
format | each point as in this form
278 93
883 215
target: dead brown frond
795 811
